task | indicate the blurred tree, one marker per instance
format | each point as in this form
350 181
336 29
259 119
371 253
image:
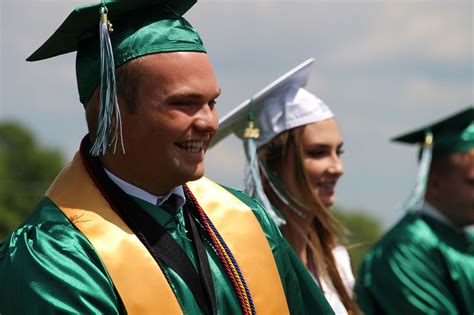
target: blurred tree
364 230
26 170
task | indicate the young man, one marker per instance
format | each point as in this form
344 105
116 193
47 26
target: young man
425 264
119 230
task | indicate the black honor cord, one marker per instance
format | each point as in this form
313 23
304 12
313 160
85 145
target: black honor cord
162 247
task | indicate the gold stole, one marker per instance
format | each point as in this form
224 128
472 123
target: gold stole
139 281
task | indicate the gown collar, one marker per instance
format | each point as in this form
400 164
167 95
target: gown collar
430 211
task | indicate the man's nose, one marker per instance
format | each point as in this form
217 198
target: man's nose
206 119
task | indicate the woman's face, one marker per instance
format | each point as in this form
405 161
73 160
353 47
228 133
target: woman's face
322 148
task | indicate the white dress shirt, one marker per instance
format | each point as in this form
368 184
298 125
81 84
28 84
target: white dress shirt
137 192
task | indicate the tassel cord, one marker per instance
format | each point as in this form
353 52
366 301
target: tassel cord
279 194
415 202
109 111
254 183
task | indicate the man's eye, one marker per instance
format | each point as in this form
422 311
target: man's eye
179 103
340 152
212 104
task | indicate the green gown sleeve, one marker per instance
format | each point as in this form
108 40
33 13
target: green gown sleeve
406 280
47 263
412 272
302 293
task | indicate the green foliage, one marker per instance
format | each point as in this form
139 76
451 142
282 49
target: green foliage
26 170
364 230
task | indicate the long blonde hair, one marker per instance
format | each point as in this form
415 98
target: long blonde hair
327 231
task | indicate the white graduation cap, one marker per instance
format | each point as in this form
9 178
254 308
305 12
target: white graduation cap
282 105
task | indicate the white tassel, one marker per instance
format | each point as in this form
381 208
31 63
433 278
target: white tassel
108 102
279 194
253 183
415 202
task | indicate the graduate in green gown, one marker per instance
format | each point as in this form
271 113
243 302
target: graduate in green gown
425 263
130 225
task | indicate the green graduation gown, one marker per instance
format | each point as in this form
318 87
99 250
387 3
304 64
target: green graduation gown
421 266
49 266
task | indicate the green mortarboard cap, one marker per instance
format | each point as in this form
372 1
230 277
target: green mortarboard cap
140 27
452 134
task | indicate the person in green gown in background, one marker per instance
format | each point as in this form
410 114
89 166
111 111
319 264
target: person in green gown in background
425 263
130 225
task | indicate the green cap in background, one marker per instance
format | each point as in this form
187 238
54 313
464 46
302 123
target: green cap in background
449 135
452 134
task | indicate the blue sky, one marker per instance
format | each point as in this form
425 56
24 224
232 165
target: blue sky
384 67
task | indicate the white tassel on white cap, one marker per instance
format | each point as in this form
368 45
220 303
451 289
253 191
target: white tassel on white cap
253 183
280 192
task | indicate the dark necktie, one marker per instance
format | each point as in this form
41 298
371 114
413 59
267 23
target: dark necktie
171 204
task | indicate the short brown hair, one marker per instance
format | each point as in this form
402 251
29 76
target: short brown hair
128 78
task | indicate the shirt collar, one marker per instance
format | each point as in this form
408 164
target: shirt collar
146 196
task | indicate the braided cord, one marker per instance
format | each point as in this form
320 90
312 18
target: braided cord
235 268
227 259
